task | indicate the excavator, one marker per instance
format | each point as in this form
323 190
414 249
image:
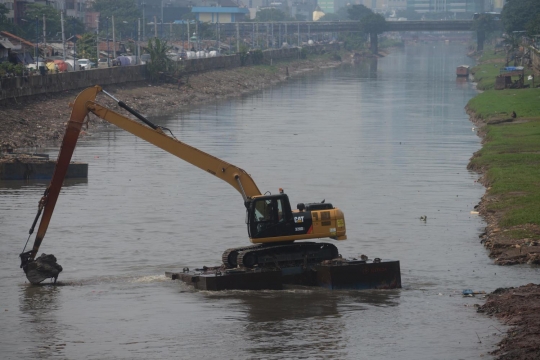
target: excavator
274 228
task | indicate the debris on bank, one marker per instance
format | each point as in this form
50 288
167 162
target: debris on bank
520 309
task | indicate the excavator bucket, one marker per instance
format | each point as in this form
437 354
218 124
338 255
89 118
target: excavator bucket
43 268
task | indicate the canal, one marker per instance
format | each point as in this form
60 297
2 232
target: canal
387 141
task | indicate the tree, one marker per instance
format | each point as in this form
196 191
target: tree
533 27
125 12
339 15
27 30
159 62
519 15
373 24
3 12
52 19
86 47
358 12
485 23
5 24
266 15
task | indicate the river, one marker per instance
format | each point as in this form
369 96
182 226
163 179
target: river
386 141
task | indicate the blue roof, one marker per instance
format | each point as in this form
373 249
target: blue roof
214 9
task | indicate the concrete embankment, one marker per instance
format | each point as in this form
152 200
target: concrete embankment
39 119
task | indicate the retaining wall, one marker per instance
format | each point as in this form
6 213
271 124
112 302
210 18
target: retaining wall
15 87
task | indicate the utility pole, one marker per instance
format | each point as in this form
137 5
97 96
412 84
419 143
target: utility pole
162 19
143 22
44 36
189 49
113 38
139 41
155 27
197 35
237 38
63 36
298 34
37 42
273 40
97 41
108 51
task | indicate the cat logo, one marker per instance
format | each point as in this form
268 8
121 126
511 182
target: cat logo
298 219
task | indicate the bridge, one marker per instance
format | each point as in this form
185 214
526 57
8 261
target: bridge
312 27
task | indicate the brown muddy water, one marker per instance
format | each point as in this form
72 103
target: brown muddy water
387 142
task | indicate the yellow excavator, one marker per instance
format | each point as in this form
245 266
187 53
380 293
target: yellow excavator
273 226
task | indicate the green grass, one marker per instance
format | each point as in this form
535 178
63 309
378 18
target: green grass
484 74
512 158
501 103
488 68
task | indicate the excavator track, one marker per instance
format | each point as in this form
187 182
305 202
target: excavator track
230 256
287 255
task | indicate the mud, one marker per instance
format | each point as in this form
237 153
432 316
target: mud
39 121
519 308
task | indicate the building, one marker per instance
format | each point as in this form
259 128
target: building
21 50
452 6
326 6
5 49
221 15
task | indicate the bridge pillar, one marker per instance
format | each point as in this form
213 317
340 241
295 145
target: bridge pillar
374 40
480 39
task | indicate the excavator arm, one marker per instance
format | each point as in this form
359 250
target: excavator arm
85 104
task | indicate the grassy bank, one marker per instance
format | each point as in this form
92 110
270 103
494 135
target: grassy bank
489 65
509 161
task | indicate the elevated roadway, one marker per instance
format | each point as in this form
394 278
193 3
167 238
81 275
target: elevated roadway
310 27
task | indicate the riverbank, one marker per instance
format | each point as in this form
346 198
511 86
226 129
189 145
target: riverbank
509 123
40 120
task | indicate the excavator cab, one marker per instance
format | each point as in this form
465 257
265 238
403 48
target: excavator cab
270 216
270 219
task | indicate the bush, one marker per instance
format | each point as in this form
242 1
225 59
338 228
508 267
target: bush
303 53
10 68
336 57
257 57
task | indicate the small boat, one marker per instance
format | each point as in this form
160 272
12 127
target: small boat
462 70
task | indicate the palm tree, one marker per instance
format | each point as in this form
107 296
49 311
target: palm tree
159 62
